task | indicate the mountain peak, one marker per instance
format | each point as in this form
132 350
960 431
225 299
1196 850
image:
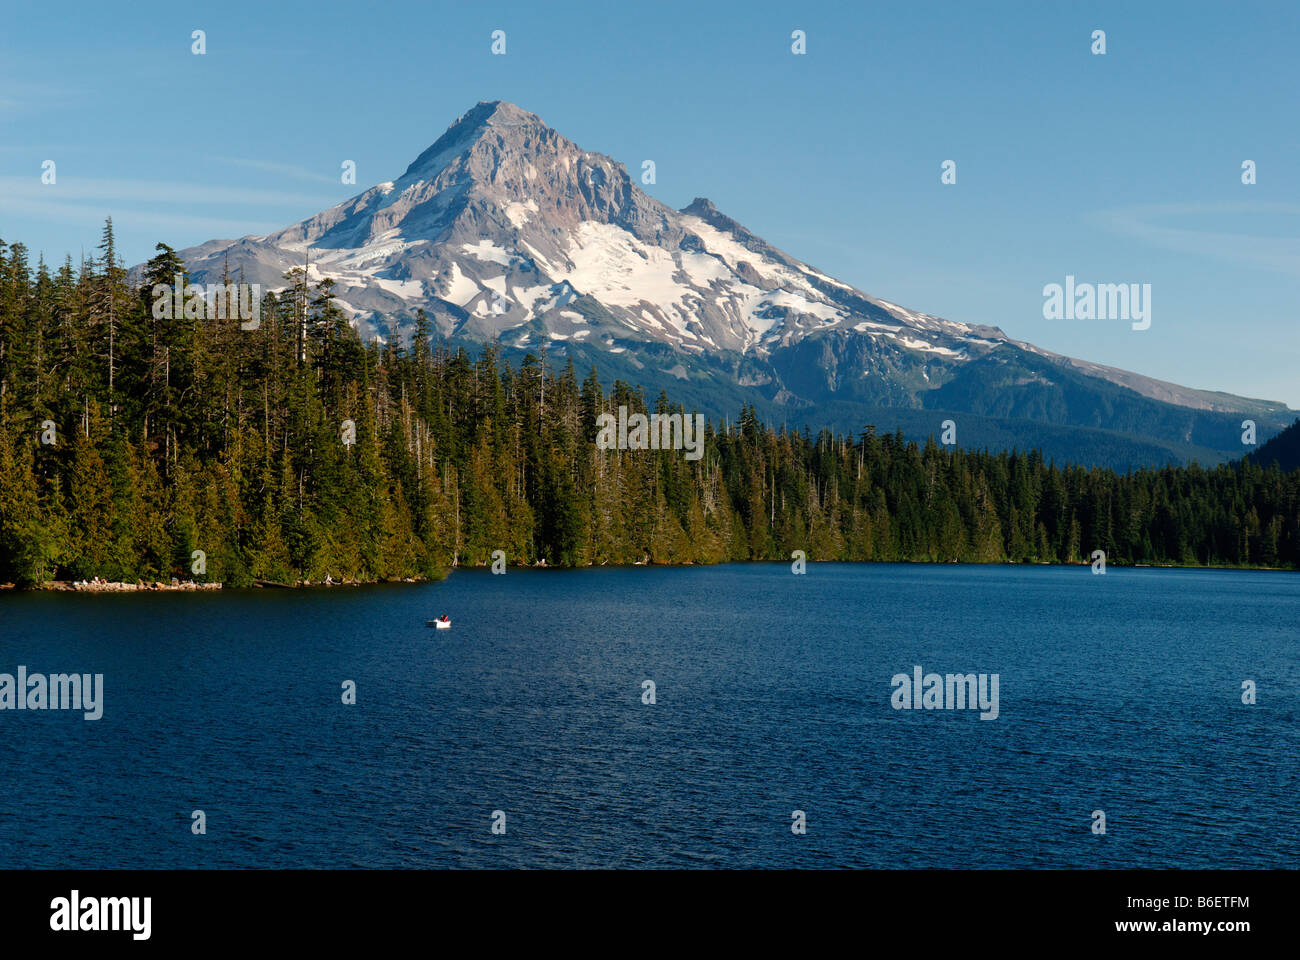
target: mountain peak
497 113
701 207
498 116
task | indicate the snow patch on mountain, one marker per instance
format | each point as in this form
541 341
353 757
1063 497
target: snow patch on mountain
489 251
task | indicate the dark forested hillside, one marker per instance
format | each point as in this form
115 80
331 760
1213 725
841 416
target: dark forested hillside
1282 451
128 442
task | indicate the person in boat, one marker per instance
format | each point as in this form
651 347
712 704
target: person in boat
444 618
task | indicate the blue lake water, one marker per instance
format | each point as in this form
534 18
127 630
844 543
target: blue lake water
1120 693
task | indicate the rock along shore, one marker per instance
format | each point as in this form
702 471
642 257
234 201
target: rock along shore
143 586
111 586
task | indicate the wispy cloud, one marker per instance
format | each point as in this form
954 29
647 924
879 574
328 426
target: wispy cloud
84 213
71 187
21 97
283 169
1281 254
163 206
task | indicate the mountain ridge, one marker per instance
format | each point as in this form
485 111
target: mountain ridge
504 230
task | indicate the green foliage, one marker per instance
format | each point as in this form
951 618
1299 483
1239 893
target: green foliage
186 434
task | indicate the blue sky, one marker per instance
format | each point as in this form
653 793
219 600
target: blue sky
1114 169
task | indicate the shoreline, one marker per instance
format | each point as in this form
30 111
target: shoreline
183 586
193 586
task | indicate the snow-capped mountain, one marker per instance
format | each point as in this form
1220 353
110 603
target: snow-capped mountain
505 229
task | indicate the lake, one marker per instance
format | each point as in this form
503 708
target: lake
772 693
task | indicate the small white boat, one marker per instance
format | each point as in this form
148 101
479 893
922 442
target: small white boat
443 624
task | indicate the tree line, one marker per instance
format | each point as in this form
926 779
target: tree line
294 451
